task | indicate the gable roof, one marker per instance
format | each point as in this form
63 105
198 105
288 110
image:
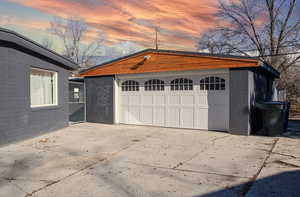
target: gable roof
8 36
152 60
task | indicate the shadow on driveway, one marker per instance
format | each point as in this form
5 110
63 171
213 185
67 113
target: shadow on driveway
281 185
293 129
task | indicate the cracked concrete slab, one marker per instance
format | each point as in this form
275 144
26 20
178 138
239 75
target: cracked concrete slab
280 175
120 160
236 159
169 148
288 146
119 178
291 162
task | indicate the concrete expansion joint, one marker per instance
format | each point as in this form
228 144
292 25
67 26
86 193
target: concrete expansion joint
187 170
194 156
10 179
287 164
286 155
249 185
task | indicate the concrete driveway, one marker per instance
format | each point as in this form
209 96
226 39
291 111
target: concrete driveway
117 160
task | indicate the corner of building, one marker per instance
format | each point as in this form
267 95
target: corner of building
240 98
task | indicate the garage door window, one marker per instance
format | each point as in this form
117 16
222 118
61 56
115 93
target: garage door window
154 85
181 84
130 85
212 83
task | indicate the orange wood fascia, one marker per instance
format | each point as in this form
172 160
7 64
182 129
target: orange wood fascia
157 54
110 72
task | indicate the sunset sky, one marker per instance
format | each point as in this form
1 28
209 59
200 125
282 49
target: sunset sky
132 21
180 21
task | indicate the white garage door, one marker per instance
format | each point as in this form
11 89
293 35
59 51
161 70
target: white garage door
197 102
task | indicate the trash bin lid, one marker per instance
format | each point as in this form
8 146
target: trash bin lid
272 105
275 103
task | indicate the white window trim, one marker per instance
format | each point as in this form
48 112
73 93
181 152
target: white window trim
55 76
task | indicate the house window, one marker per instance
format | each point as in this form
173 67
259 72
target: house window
181 84
212 83
154 85
130 85
43 87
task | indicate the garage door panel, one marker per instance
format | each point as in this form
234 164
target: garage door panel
147 100
202 100
124 114
134 115
197 108
159 116
125 99
217 99
159 100
187 117
217 118
201 118
173 117
187 100
134 99
174 99
147 115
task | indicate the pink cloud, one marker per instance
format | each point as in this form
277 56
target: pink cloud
180 21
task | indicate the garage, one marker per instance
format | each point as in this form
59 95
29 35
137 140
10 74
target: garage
179 89
183 101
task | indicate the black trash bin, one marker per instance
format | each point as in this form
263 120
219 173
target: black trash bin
273 117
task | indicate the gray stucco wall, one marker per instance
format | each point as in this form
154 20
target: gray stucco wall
100 99
239 113
247 87
17 119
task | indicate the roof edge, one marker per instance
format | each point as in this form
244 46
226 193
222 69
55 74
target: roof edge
270 69
115 60
18 39
170 51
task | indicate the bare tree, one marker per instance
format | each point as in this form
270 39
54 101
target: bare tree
214 41
269 27
47 43
74 35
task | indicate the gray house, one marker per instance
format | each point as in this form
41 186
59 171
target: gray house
33 88
179 89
